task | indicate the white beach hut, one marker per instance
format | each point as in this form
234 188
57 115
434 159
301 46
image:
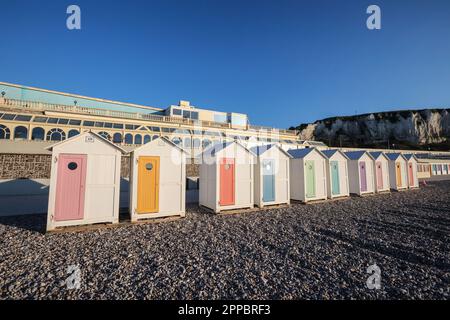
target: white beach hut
308 175
397 171
271 171
337 174
381 173
360 172
157 180
413 180
85 181
227 177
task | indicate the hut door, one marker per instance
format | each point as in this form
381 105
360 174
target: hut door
268 180
226 182
310 179
398 174
148 185
70 187
335 187
411 175
379 175
363 176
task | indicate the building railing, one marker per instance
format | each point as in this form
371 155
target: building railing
270 129
42 106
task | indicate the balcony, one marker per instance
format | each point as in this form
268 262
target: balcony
23 105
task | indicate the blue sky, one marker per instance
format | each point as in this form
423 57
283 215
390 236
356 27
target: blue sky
281 62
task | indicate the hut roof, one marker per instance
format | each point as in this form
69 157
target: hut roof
78 136
356 155
259 150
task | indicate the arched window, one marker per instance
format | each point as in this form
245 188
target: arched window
105 135
187 142
206 143
20 133
196 143
73 133
138 139
56 134
176 140
117 137
129 138
155 137
147 139
4 132
37 134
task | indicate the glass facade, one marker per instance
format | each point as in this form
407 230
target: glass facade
220 117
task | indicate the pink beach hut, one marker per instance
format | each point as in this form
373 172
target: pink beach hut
84 181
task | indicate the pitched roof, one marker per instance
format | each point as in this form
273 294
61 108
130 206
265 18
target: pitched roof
356 155
394 155
164 139
259 150
78 136
375 154
332 152
301 153
215 148
409 156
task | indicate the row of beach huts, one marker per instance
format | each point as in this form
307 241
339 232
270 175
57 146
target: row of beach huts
85 178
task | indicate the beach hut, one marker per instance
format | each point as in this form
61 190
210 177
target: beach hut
308 180
157 180
397 171
226 177
381 173
271 172
413 180
84 181
337 174
361 172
